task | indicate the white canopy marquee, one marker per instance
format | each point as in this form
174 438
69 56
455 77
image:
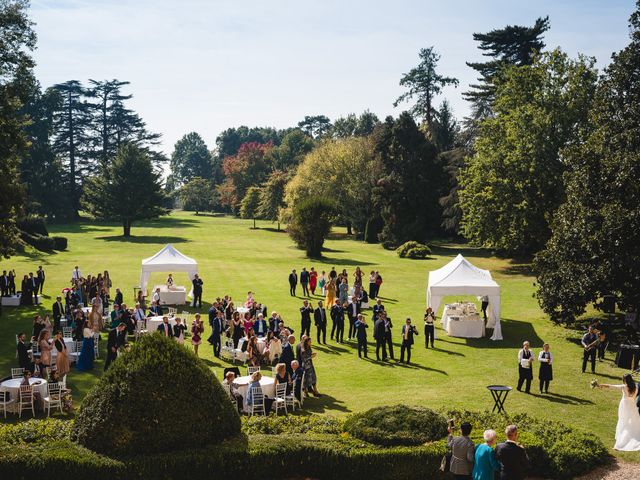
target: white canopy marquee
167 260
460 277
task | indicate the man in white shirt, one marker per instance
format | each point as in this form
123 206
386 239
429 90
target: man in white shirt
156 298
138 314
76 274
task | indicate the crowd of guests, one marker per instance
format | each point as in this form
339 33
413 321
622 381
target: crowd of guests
508 460
30 286
335 285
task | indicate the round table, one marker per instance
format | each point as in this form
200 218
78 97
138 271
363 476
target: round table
71 347
260 342
268 385
13 387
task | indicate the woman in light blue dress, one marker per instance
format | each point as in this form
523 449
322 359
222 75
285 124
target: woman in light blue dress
343 291
85 361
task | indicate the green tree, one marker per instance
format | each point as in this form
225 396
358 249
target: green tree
311 223
408 190
295 145
198 194
272 196
130 191
453 162
445 130
17 42
595 245
513 184
315 126
190 159
511 45
249 207
424 83
354 126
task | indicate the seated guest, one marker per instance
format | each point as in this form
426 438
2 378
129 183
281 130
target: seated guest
260 326
154 309
127 319
485 464
25 381
36 369
229 378
252 351
254 387
296 379
462 450
281 374
138 313
23 354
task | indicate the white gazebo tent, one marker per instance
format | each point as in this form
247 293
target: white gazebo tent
460 277
167 260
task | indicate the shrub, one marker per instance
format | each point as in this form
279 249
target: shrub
397 425
273 425
413 249
311 224
33 225
35 430
44 244
156 397
59 243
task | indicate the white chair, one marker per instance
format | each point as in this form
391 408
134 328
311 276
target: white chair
140 330
67 332
17 372
172 311
5 401
74 356
26 400
226 351
53 398
251 370
257 407
63 382
96 341
280 402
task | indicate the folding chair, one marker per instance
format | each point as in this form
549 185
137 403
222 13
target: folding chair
53 398
17 372
280 401
26 400
5 401
251 370
257 407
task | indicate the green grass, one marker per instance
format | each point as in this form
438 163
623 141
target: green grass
233 258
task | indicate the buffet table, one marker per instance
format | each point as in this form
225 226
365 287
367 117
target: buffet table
462 320
176 296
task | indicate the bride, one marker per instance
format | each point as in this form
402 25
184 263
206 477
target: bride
628 428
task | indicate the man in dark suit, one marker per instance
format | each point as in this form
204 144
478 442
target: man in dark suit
165 328
293 282
36 368
304 281
377 308
23 354
408 331
353 309
274 323
40 275
387 332
33 287
115 340
333 313
296 378
260 326
197 291
320 321
287 356
118 299
58 312
512 457
305 318
379 336
217 327
4 284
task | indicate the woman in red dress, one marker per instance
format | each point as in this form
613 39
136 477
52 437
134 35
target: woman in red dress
313 280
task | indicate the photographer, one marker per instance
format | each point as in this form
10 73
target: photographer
408 331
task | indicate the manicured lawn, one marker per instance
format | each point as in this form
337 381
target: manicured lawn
234 258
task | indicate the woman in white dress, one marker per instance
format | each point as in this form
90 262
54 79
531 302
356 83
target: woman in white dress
628 428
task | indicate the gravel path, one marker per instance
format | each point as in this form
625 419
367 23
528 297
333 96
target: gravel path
617 470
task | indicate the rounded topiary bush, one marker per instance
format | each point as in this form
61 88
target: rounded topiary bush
397 425
413 249
156 397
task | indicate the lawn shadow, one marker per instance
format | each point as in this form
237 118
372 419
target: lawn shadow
169 222
447 250
331 349
566 399
448 352
147 239
412 366
343 261
514 268
323 404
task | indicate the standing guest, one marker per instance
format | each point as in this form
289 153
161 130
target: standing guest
372 285
228 311
238 329
304 281
512 457
343 290
58 312
248 322
87 354
40 277
293 282
589 341
484 305
12 282
274 323
331 293
353 309
408 331
377 308
76 274
140 298
320 321
340 321
333 275
213 313
217 328
387 333
429 327
287 355
253 352
197 291
155 298
378 283
525 372
165 328
485 465
25 293
361 335
462 452
4 284
379 336
119 300
178 331
273 349
299 349
310 379
116 315
197 329
38 326
305 318
23 352
115 340
47 324
322 283
357 278
545 375
62 357
313 281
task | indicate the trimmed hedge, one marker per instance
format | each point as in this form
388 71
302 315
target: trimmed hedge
397 425
59 243
33 225
157 397
413 249
39 242
292 424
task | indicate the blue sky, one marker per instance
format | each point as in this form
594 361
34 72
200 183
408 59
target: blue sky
205 66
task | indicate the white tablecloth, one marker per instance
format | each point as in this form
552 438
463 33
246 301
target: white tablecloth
268 385
242 310
177 296
465 326
13 387
71 347
154 322
12 301
262 344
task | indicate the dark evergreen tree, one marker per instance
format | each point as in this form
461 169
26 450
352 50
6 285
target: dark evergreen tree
315 126
445 129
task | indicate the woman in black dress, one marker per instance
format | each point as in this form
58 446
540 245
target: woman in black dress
25 292
238 329
545 375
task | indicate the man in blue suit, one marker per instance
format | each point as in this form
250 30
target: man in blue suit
165 328
287 355
260 326
217 327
